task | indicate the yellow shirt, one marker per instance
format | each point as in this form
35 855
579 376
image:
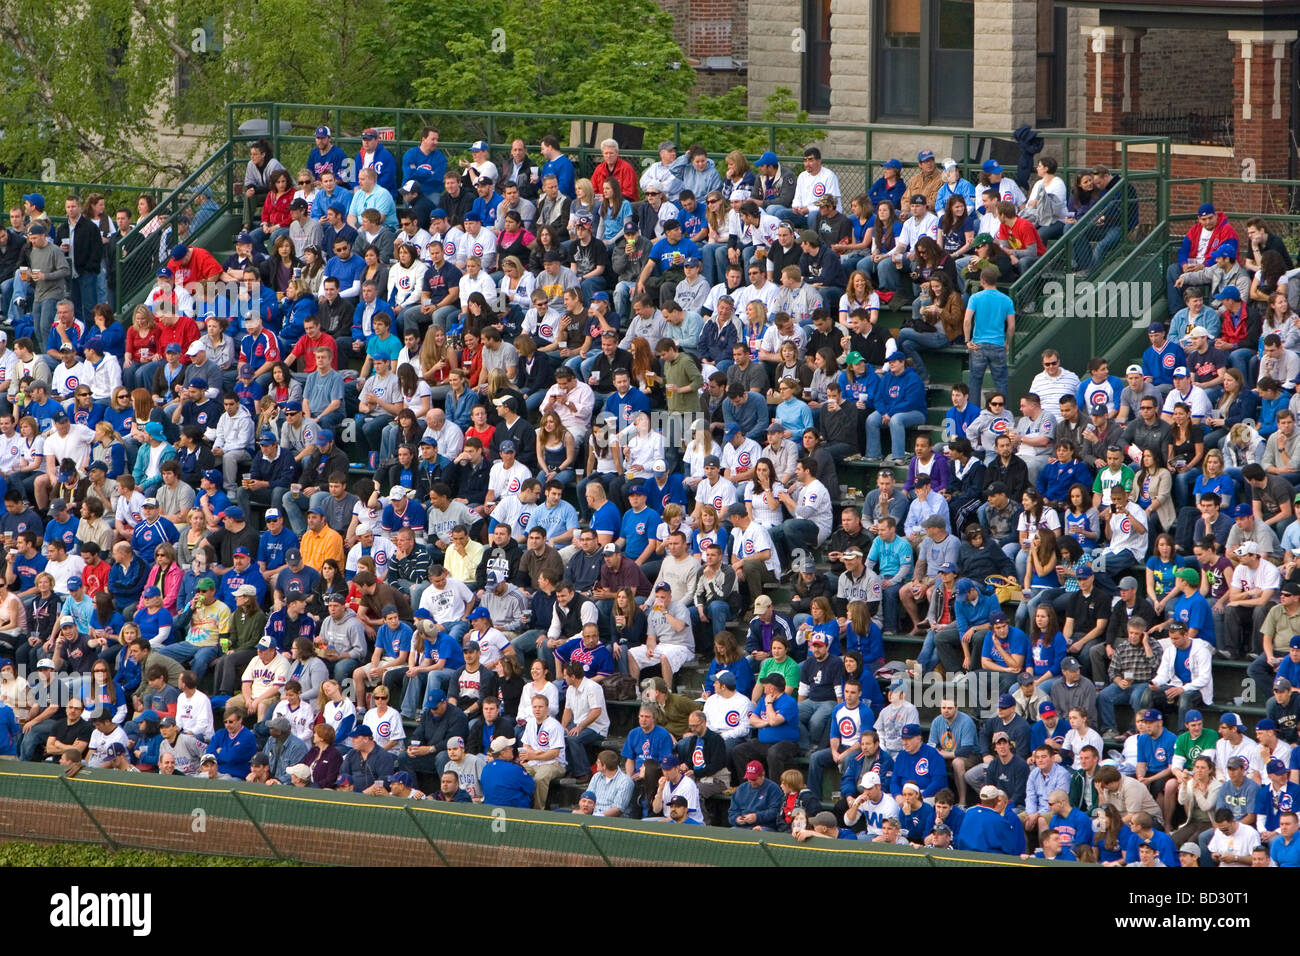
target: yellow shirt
464 568
208 623
317 546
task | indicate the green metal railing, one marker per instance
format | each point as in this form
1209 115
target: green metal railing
206 196
851 150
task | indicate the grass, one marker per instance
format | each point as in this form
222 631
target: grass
83 854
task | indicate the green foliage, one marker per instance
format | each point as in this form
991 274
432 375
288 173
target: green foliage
81 854
779 107
610 57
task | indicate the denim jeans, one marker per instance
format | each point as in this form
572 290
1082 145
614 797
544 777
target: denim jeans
786 214
992 358
1113 694
293 506
899 422
417 689
718 612
911 342
83 289
1087 258
575 750
894 278
814 722
43 320
818 764
199 658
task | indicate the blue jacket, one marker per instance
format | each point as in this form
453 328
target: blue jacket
715 344
428 171
125 584
149 486
984 831
506 784
879 192
1166 852
281 756
561 167
9 730
385 167
459 409
917 824
969 614
925 768
674 492
900 393
1055 480
764 800
234 753
381 306
752 417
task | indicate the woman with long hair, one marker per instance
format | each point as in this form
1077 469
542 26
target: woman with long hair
31 457
755 325
936 321
647 371
713 257
337 711
1039 576
1110 835
1035 517
1154 487
416 396
533 372
313 269
514 240
729 655
885 229
141 349
1213 479
375 270
108 448
738 176
437 359
629 626
1161 567
995 420
859 293
700 447
583 205
479 313
956 229
276 216
762 495
166 575
1082 522
1235 405
556 450
404 281
516 287
614 210
192 536
1184 451
105 333
277 271
545 242
1047 648
470 358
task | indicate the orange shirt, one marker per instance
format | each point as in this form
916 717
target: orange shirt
318 546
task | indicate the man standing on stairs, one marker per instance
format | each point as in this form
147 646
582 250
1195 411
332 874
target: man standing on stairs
989 324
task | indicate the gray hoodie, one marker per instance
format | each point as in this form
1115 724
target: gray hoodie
347 636
53 265
507 609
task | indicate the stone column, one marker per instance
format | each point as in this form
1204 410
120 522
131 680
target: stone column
1004 64
774 60
850 65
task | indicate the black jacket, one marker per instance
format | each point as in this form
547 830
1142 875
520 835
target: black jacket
436 731
336 317
457 206
87 245
524 437
11 252
1014 475
317 468
471 481
487 688
512 552
502 727
713 750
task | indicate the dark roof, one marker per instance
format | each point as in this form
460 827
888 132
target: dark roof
1197 14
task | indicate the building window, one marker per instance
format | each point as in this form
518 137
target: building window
817 56
1051 64
925 51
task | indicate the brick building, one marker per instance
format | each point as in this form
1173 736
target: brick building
715 37
1217 76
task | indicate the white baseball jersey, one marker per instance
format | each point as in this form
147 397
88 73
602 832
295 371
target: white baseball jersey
504 481
516 513
874 813
491 642
751 293
740 458
1124 533
754 540
728 717
685 788
1266 576
387 727
773 339
300 718
265 676
100 742
548 735
449 240
65 380
809 188
721 495
128 512
813 503
484 245
1247 750
382 551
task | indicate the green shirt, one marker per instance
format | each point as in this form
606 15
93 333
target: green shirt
788 668
1186 750
246 629
683 371
1107 479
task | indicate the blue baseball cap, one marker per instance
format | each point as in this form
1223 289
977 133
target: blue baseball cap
471 216
947 568
324 436
401 777
198 381
1152 714
173 348
1156 327
240 550
1240 511
1274 768
322 131
1005 701
244 238
155 431
429 440
1230 720
1192 716
180 251
213 475
436 697
74 583
767 159
892 164
1229 293
36 199
150 715
267 438
151 592
911 730
316 510
731 432
600 297
293 406
1206 209
991 166
478 614
1268 723
924 155
362 731
235 512
164 273
1084 572
637 489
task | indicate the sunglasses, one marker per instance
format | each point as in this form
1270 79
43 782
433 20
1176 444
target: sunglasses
304 182
996 404
1050 364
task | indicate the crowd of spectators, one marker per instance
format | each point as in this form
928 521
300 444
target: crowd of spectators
476 451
